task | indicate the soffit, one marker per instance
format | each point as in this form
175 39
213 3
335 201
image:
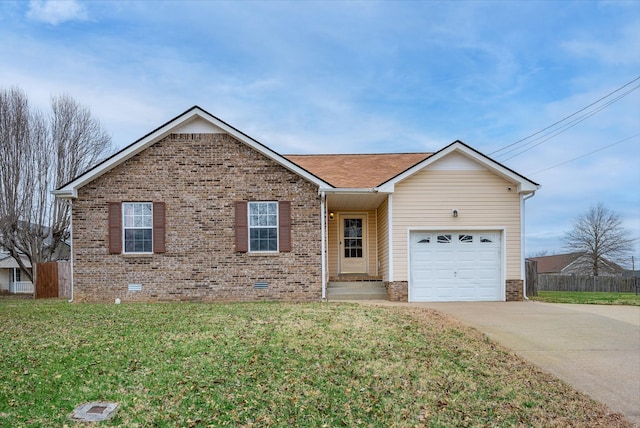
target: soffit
354 201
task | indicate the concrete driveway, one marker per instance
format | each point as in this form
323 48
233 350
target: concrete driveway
594 348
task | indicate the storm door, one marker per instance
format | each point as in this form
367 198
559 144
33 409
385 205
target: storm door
353 244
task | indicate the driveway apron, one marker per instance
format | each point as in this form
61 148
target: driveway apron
596 349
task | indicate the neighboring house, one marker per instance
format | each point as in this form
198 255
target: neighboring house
574 264
198 210
12 278
631 274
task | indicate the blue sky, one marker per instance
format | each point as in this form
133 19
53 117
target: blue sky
363 77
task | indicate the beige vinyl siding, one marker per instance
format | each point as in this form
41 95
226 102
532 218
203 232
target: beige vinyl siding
383 240
333 240
482 199
332 244
373 242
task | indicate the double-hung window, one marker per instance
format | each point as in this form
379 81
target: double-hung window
263 226
137 227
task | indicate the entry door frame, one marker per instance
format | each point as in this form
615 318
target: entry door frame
362 267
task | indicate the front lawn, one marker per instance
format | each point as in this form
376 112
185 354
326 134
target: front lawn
588 297
269 364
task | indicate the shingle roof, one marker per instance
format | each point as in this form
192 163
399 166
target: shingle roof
555 263
359 170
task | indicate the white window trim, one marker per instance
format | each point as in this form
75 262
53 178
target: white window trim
124 229
249 227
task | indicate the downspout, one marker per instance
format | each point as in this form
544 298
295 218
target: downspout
390 236
522 257
71 247
324 251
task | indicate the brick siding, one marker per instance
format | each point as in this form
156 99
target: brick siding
397 291
514 290
199 177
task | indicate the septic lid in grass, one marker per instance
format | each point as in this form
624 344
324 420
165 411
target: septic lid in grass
95 411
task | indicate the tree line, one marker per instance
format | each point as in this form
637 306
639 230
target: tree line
39 152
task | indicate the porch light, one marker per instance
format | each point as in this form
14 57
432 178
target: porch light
331 215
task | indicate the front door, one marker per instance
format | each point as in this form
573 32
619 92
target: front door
353 244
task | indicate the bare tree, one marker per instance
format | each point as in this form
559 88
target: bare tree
600 235
539 253
37 155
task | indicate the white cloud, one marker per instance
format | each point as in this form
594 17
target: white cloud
622 49
55 12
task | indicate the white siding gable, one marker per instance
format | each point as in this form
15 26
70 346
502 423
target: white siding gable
198 126
456 162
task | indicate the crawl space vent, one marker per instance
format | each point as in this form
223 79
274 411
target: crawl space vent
135 287
261 285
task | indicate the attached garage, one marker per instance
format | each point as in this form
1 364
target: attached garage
449 266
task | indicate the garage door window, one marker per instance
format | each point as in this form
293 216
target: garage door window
486 239
444 239
465 239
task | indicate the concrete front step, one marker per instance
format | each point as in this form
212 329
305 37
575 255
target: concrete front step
367 290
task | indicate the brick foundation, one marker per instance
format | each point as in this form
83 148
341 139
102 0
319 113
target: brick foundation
397 291
514 290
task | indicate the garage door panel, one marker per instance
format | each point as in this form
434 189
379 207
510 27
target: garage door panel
466 292
466 278
455 266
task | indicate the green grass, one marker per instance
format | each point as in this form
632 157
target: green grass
588 297
269 364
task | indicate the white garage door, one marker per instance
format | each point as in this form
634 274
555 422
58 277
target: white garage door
455 266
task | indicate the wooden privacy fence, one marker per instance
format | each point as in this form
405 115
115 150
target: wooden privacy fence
53 279
610 284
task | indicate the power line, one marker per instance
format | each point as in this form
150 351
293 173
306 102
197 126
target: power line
584 155
570 116
565 127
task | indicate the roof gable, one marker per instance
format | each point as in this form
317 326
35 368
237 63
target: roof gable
197 125
458 155
456 161
578 263
194 120
555 263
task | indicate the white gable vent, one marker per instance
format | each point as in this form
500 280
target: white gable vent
135 287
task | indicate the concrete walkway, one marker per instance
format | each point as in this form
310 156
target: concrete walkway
594 348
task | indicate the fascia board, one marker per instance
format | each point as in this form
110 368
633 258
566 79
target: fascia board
524 185
70 190
352 190
65 193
